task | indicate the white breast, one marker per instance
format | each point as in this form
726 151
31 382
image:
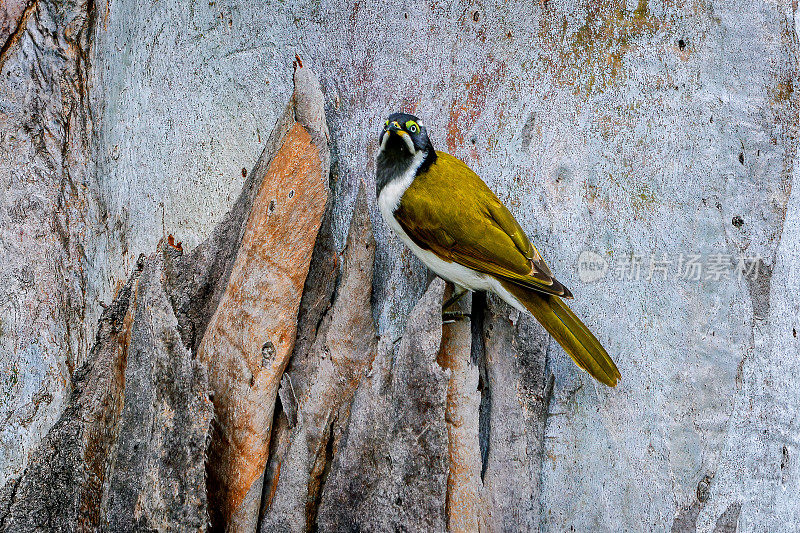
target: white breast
389 200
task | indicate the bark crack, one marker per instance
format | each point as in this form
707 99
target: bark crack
478 356
15 37
316 482
10 501
273 468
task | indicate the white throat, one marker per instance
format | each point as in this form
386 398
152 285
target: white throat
393 191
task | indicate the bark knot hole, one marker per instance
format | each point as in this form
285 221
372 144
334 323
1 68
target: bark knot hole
267 353
704 488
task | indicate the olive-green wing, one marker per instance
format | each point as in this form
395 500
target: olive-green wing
450 211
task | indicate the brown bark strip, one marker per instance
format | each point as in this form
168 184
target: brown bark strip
250 337
463 402
108 376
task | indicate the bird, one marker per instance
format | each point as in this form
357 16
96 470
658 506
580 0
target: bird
453 222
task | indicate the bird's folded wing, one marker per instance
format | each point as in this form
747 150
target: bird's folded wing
467 224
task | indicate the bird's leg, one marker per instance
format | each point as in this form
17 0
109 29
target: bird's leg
452 316
458 293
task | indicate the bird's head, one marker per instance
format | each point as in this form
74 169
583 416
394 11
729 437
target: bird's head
403 135
403 142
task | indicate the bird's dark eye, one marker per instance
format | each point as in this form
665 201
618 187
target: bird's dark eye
412 126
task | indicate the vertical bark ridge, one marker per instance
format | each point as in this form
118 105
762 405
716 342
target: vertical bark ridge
251 335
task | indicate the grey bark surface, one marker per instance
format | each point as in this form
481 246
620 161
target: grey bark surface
397 439
45 166
158 466
631 130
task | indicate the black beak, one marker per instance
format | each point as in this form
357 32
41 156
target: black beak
390 131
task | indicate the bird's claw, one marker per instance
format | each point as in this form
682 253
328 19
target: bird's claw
449 317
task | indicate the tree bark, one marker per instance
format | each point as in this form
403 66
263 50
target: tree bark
284 367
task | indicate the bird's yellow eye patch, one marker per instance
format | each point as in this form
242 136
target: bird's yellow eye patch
412 126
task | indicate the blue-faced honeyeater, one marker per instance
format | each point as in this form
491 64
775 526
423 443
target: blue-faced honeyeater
456 225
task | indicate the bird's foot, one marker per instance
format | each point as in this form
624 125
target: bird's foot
449 317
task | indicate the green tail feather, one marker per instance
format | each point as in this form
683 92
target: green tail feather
572 334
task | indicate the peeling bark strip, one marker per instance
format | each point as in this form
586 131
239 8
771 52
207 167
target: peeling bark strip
515 359
158 466
324 383
463 403
251 335
128 452
390 473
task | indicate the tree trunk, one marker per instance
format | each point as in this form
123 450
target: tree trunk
205 324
